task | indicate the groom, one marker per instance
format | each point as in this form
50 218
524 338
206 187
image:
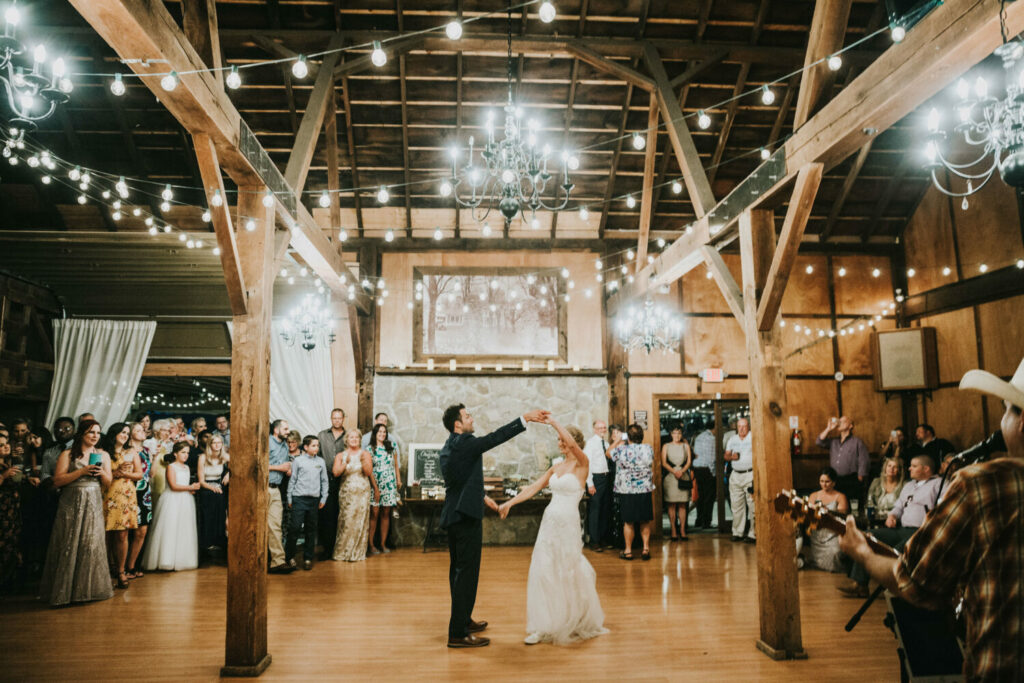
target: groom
463 512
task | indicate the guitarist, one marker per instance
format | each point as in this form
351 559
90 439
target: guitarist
971 545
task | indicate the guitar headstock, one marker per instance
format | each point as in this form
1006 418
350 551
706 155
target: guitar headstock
787 502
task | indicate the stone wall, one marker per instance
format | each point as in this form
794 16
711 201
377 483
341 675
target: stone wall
415 404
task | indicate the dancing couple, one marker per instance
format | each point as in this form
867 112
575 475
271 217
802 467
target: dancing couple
561 596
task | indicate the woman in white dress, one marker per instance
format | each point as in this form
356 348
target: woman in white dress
173 543
561 592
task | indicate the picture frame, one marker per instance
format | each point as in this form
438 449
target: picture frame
425 465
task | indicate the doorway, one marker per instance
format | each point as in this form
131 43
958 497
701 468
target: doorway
707 424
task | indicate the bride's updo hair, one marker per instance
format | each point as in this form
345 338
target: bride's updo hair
577 435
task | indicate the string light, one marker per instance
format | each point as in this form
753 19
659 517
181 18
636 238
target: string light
638 141
630 201
117 85
835 62
233 79
300 69
453 30
382 195
170 81
677 187
767 95
378 56
547 12
703 120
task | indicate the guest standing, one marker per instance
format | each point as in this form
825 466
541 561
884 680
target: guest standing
884 491
634 482
599 509
223 430
10 517
677 485
76 564
704 473
847 455
307 493
389 480
143 498
741 481
280 466
332 442
173 545
213 498
159 448
354 466
120 504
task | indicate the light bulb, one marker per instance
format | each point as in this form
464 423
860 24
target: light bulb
677 187
39 53
206 216
933 120
116 215
983 268
46 180
703 120
930 150
382 195
233 79
216 251
842 272
325 200
767 95
453 30
963 90
547 12
250 225
216 199
574 162
911 272
167 194
980 88
834 62
378 56
437 234
898 33
152 230
82 199
165 206
876 272
486 230
170 81
630 201
946 271
584 214
1020 264
12 15
809 269
535 224
661 243
167 228
765 154
117 85
303 272
638 141
446 188
630 255
342 235
389 236
507 176
300 69
268 199
75 173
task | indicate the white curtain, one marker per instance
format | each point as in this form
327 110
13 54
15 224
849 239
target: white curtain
97 367
301 383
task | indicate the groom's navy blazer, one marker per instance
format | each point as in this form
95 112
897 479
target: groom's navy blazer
463 471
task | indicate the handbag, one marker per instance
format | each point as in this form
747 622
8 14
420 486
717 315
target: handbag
686 482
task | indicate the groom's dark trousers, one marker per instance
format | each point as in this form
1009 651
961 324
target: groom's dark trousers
462 515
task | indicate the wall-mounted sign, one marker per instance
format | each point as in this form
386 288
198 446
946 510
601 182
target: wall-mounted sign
713 375
640 417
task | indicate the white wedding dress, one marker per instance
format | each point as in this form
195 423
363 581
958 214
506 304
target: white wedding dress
561 593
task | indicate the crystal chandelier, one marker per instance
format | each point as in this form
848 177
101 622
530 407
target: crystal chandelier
650 327
308 324
31 95
993 128
514 171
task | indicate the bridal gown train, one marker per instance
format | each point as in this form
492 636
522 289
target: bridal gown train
561 593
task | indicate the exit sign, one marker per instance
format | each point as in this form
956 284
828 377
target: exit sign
713 375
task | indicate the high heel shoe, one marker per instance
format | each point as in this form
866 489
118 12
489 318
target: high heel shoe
122 580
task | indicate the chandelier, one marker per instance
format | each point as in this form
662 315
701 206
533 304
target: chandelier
649 328
31 95
514 171
308 324
992 128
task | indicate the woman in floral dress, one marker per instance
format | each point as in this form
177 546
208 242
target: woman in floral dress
120 506
10 516
389 480
634 482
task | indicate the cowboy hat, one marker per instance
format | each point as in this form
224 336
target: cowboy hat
986 382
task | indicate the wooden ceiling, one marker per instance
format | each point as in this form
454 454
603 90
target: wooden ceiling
394 124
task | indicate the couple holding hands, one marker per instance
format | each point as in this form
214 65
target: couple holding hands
561 595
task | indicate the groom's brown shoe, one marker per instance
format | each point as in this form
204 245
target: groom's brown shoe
469 641
476 626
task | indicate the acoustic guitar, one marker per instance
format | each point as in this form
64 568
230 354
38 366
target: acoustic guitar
817 515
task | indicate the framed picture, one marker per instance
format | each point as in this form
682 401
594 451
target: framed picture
425 464
905 359
488 314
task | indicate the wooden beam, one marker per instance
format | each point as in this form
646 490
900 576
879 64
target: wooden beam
617 69
699 68
350 146
186 370
333 172
394 47
974 291
647 196
844 192
793 226
199 19
213 182
778 590
406 164
784 106
686 153
312 119
245 645
725 281
609 189
828 28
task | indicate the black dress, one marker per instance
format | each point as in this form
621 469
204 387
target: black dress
10 531
213 510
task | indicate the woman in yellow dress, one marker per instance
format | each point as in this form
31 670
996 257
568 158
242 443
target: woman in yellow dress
120 503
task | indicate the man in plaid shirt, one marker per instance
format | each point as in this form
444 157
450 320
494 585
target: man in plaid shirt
971 545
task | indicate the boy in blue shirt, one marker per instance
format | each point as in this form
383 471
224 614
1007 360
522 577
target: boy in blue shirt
307 493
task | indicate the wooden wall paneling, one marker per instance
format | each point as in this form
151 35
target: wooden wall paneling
807 292
956 343
701 294
190 340
658 361
715 343
814 402
928 243
816 358
343 369
643 389
873 416
957 416
859 292
1001 331
855 349
989 230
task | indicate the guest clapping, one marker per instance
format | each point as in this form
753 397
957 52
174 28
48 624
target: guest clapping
389 480
120 503
173 543
76 564
356 466
634 482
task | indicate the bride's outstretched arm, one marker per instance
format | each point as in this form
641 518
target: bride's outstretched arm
527 493
573 450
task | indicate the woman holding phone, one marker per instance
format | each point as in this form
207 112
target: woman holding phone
76 563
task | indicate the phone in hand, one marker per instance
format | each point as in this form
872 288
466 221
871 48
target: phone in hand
95 459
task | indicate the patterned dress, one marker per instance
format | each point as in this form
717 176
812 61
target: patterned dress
354 496
120 503
143 492
10 530
384 471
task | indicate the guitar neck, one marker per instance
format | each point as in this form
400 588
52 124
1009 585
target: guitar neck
816 515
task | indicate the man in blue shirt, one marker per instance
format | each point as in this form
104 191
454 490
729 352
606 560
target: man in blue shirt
280 466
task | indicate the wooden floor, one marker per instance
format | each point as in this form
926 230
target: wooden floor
688 614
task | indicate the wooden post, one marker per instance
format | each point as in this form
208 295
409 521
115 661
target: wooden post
245 643
778 592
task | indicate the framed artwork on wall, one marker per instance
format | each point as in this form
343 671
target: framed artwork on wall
425 464
488 314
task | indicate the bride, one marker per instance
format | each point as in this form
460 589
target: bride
561 593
